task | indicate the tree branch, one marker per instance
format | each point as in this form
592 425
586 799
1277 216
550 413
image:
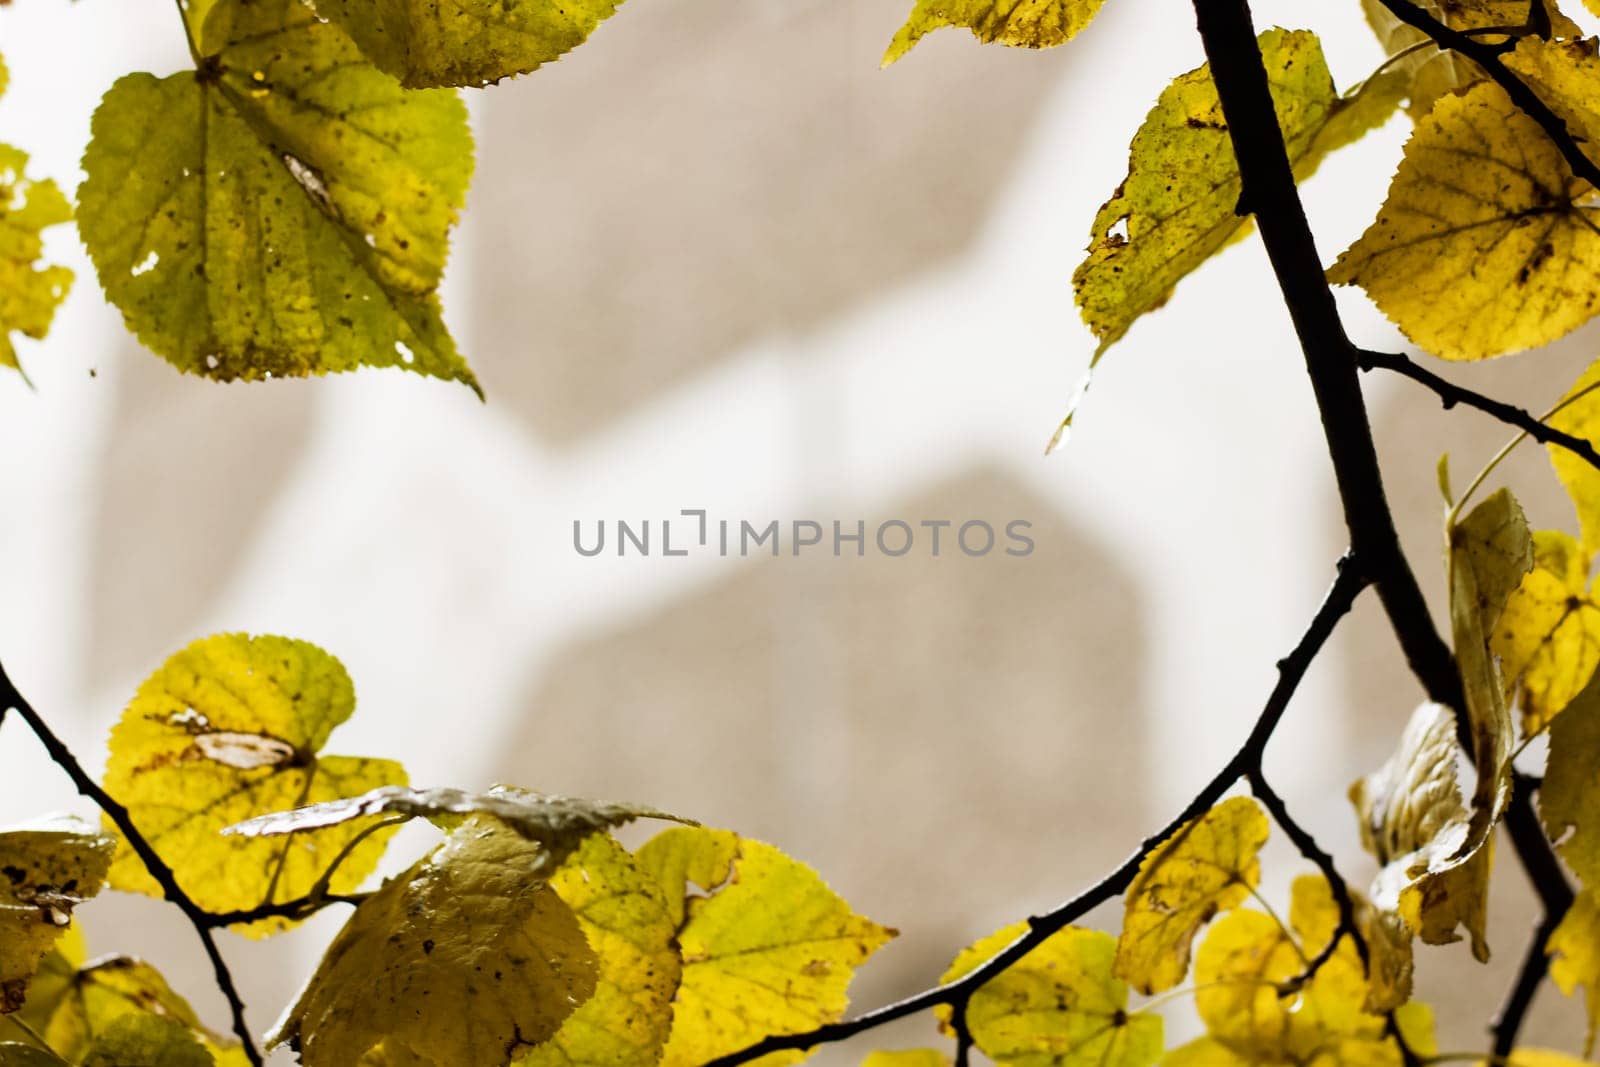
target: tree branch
1331 359
1487 56
197 916
1348 584
1550 882
1451 394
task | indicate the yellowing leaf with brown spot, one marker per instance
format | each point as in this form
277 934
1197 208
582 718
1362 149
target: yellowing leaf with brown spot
29 292
47 869
467 958
1208 866
1058 1006
285 210
1569 800
622 910
1486 243
1574 949
767 947
1548 637
230 728
1175 209
1431 72
1020 23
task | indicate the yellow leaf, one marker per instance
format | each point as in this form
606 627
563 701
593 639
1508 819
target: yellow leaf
1059 1006
767 947
465 959
1563 74
1246 957
1569 802
910 1057
283 211
428 43
29 292
1574 949
623 913
1176 206
1020 23
1536 1057
50 868
1208 866
82 1002
230 728
142 1039
1432 72
559 824
1548 637
1485 244
1204 1052
1580 416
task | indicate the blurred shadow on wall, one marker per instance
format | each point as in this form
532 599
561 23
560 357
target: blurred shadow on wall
1412 430
190 470
918 729
755 173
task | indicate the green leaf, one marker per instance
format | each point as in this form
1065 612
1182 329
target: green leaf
50 867
465 959
230 728
1058 1006
1208 866
559 824
1486 243
283 211
767 947
1176 206
430 43
29 292
147 1041
623 913
1019 23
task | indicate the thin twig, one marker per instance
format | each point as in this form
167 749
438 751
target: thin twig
1340 889
1451 394
163 874
1348 584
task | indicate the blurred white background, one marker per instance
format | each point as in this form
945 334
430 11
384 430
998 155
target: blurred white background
717 259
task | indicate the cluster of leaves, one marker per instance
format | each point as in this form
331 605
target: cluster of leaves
529 933
285 209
